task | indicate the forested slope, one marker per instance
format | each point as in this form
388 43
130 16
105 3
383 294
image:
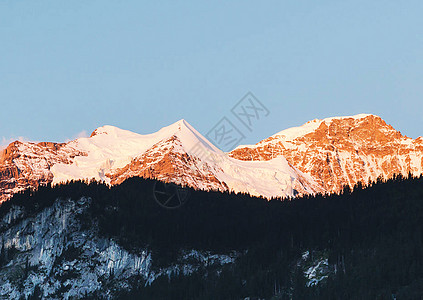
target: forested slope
364 244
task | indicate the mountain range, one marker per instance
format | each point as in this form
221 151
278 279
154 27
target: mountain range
321 156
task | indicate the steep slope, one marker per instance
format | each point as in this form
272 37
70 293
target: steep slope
341 150
176 153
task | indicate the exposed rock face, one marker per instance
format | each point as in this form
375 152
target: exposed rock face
24 165
167 161
342 151
53 252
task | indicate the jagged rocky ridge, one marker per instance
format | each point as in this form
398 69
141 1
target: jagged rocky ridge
321 156
341 151
27 165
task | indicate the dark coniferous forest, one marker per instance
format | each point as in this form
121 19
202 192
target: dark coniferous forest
372 237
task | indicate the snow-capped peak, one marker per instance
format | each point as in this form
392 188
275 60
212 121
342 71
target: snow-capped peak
310 126
110 147
188 135
177 153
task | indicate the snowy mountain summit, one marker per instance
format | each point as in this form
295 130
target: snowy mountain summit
176 153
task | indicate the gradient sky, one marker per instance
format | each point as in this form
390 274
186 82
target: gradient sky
68 67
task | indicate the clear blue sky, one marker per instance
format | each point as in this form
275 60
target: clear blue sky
70 66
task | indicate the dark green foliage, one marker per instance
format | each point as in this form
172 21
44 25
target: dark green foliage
374 237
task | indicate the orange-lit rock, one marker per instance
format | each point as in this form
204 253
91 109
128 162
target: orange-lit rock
27 165
342 151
